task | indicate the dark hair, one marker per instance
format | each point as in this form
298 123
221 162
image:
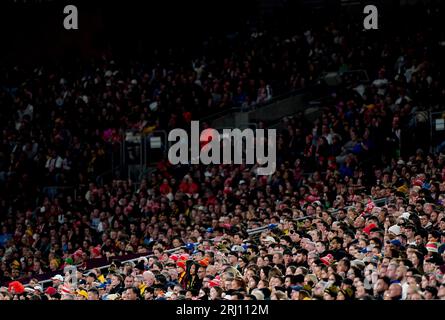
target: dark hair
435 234
266 270
159 265
244 259
256 278
299 278
266 292
357 272
420 257
347 282
287 239
322 242
161 279
347 262
219 290
338 239
136 291
149 290
432 290
291 278
377 241
94 290
206 290
238 294
280 267
338 279
407 263
194 292
386 280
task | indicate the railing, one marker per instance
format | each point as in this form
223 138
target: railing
210 118
380 202
170 251
47 281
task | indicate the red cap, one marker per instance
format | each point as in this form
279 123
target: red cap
204 262
96 251
184 257
369 227
174 257
215 282
51 291
328 259
78 253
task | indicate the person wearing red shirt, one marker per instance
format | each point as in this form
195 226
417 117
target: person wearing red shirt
165 187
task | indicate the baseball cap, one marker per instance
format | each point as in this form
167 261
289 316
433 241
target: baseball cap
296 288
51 291
395 229
237 248
269 239
57 277
38 288
396 242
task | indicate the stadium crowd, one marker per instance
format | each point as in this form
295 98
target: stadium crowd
354 210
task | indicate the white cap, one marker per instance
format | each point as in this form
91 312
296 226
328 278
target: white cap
237 248
405 215
395 229
57 277
38 288
270 239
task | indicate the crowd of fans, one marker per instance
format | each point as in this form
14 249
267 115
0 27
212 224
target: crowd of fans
353 211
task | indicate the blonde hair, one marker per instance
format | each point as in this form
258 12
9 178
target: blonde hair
281 295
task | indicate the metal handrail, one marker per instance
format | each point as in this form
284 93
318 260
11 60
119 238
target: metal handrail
43 282
280 97
170 251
